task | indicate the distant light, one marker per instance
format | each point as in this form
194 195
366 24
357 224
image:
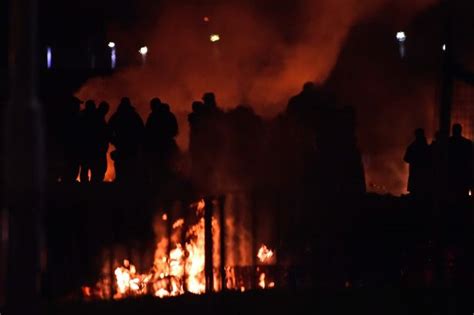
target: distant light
206 19
401 36
215 38
113 58
444 47
111 45
143 50
49 57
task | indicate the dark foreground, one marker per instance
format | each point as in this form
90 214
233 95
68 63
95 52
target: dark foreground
283 302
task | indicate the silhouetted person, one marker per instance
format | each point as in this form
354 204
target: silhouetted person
209 101
206 124
304 100
71 140
419 159
161 129
459 163
102 136
127 133
88 141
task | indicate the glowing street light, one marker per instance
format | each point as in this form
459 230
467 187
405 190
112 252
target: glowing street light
143 51
113 55
444 47
49 57
401 38
215 38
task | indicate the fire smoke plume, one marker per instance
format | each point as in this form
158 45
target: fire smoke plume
265 53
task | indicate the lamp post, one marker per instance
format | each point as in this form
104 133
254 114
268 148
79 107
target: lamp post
401 38
143 52
113 55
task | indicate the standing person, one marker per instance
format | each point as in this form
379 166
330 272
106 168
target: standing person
127 130
459 163
418 157
161 129
102 136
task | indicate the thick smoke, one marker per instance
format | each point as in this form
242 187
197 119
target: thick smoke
265 54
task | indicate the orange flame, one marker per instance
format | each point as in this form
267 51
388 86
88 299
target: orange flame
266 255
179 271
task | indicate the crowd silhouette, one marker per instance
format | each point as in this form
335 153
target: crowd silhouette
442 168
312 145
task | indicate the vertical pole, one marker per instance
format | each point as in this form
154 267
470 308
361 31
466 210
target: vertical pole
447 73
23 164
209 274
253 209
222 241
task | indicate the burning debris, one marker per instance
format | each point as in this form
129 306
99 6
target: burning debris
266 255
178 268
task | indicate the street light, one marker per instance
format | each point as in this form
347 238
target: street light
401 38
49 57
113 55
143 51
214 38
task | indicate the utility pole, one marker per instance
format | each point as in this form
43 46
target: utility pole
447 84
23 163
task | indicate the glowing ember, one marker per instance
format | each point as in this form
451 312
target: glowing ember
178 224
261 281
164 217
266 255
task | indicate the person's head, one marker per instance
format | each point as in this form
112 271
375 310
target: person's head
197 106
420 134
166 107
309 86
124 104
155 104
90 106
103 108
209 99
457 130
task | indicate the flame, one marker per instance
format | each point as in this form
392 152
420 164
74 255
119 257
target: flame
178 271
266 255
261 280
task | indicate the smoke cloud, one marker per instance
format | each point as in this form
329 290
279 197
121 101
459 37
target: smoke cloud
266 52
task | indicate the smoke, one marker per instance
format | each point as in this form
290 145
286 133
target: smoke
266 52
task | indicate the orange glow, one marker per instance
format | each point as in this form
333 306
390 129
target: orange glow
180 271
266 255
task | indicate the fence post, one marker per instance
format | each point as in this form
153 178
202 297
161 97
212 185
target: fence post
208 269
222 240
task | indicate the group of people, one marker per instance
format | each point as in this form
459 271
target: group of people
87 134
444 167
